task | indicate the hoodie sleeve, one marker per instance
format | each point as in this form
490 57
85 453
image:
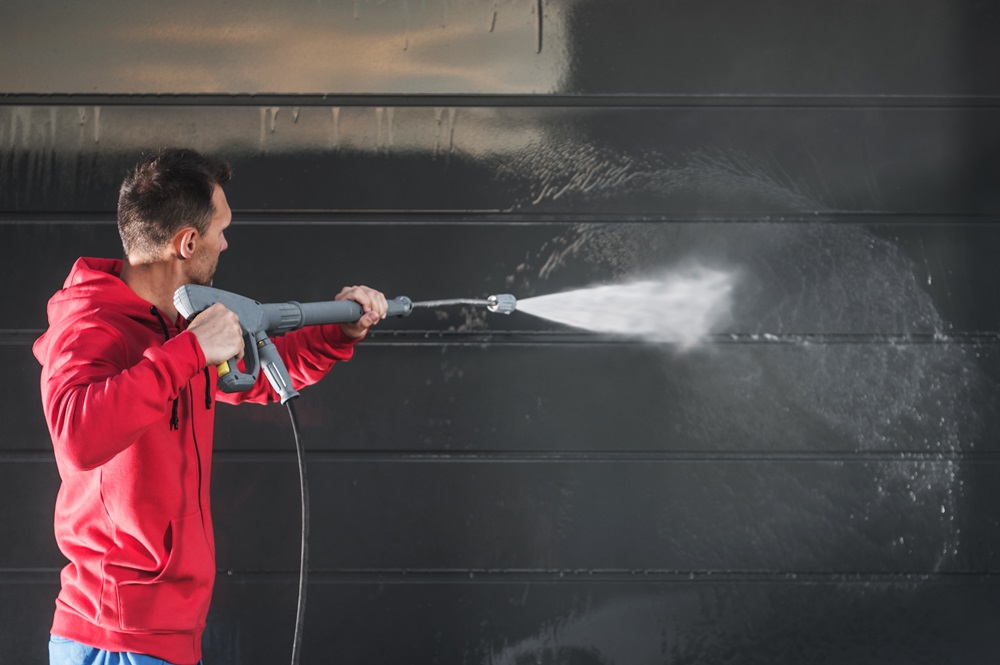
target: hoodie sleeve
98 403
309 354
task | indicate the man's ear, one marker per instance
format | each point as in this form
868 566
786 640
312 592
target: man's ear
184 242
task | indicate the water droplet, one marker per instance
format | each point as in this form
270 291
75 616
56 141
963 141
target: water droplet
538 15
264 111
335 114
452 112
438 120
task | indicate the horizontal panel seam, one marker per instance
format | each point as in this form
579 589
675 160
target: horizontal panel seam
405 338
474 100
14 575
494 218
574 457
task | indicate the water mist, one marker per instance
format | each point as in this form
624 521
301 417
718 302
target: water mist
679 307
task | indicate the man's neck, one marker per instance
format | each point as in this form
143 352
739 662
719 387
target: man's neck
154 282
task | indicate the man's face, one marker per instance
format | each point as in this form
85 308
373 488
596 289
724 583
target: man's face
206 257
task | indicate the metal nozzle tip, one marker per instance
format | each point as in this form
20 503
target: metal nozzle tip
502 303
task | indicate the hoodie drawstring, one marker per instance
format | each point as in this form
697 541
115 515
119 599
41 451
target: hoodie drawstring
208 390
174 419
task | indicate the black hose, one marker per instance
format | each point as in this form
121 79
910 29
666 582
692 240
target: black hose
300 614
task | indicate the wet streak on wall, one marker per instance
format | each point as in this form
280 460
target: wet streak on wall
664 160
812 483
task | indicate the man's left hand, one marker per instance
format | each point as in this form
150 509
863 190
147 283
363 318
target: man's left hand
372 303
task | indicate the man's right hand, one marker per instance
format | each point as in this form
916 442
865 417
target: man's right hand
219 334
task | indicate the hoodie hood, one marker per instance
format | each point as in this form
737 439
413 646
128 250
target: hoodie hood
92 284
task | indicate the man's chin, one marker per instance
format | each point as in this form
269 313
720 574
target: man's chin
198 281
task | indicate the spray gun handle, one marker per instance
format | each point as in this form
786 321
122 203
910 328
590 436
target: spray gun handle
231 379
259 354
275 370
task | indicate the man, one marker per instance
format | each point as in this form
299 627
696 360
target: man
129 396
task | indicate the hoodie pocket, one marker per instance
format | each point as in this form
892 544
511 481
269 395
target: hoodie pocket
177 599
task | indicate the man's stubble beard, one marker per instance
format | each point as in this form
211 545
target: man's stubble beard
202 273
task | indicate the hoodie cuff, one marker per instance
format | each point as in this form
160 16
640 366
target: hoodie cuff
338 336
338 341
179 359
187 350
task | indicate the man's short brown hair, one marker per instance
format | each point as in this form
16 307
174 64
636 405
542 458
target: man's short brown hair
167 191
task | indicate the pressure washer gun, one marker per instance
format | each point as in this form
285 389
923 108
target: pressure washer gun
258 321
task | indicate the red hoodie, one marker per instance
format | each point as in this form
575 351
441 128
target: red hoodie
130 408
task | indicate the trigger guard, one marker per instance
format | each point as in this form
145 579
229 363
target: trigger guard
236 381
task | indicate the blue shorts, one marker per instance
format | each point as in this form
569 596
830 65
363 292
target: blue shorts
68 652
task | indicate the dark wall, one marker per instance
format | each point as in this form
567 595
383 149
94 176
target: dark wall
815 482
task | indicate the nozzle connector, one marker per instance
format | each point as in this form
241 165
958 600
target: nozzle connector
502 303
